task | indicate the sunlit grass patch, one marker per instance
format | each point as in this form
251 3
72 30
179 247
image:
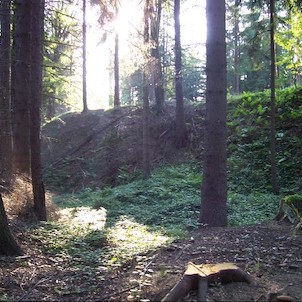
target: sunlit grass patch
128 238
81 237
95 219
167 202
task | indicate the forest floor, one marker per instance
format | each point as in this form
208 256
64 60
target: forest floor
270 252
93 260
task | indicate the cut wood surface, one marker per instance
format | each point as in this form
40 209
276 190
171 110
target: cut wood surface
197 277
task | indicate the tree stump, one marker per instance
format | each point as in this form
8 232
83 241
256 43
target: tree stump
198 277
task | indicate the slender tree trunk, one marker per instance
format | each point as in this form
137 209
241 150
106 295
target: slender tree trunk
85 107
274 177
5 104
117 101
181 131
146 79
165 56
155 54
236 89
214 185
21 92
37 23
8 244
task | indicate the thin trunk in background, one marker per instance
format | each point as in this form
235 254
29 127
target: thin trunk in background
5 104
274 177
146 79
117 101
155 54
181 131
37 33
214 185
85 107
236 84
20 89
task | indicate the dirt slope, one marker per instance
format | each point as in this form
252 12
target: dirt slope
92 149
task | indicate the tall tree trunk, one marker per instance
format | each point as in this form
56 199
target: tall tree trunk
155 54
85 107
181 131
37 23
5 104
214 186
146 79
8 244
21 88
117 101
236 84
274 177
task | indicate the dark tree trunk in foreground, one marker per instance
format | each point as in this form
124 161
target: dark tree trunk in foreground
37 23
85 107
5 112
21 88
274 177
8 244
146 151
214 186
181 132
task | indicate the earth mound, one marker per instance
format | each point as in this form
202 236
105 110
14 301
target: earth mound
97 148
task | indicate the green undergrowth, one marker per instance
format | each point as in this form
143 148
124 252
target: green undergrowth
249 140
104 229
166 202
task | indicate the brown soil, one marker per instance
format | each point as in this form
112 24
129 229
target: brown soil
93 149
270 252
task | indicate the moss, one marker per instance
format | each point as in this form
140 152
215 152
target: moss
295 202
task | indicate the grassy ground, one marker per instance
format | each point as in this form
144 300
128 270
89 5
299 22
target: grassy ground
131 219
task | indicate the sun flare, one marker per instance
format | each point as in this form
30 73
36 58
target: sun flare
100 55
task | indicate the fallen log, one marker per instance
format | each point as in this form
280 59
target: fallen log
198 277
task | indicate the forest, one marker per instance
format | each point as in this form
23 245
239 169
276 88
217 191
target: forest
150 150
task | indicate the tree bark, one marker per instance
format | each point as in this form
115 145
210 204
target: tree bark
236 88
8 244
21 92
5 104
37 23
155 54
146 80
274 176
181 131
214 185
85 107
117 101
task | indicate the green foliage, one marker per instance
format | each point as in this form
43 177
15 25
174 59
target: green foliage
248 146
288 39
59 78
66 239
131 87
251 208
295 202
193 79
151 202
107 228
